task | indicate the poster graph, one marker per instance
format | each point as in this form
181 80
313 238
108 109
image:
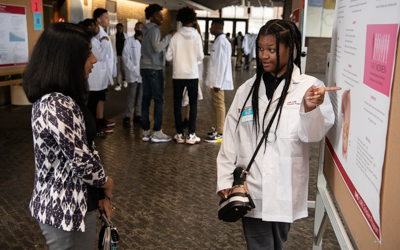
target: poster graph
13 36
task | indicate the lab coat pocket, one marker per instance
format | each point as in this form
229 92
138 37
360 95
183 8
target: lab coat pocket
289 123
290 178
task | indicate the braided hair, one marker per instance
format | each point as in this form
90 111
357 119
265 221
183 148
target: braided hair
287 33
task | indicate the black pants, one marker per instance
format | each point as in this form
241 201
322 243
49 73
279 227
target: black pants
94 98
264 234
192 86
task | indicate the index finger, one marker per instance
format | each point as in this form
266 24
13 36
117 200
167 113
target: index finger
330 88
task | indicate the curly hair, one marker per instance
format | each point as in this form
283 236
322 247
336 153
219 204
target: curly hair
186 15
151 9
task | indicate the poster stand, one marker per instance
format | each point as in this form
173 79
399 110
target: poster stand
325 209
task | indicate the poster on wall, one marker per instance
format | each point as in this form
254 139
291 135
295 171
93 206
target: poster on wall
13 36
362 61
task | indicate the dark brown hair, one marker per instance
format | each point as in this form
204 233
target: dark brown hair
58 62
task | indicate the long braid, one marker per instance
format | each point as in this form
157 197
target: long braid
288 75
255 88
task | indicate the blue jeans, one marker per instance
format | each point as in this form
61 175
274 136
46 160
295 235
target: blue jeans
193 91
153 87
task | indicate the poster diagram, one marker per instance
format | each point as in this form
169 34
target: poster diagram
13 36
362 61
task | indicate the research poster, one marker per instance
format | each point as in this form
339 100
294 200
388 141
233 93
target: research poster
362 61
13 36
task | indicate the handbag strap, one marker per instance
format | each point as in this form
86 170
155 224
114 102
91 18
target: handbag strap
265 135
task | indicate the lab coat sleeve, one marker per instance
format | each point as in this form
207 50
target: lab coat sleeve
127 55
158 44
113 43
102 49
114 73
244 45
221 55
315 124
227 154
169 54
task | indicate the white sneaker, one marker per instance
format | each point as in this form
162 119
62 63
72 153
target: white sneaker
192 139
159 136
146 135
179 138
125 84
118 87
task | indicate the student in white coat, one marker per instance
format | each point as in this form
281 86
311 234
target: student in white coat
98 89
108 63
278 178
131 58
118 40
219 76
186 50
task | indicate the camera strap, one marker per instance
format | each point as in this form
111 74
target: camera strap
264 136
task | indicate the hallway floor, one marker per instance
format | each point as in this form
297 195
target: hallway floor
164 192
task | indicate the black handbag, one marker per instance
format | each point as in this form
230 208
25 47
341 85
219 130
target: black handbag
239 202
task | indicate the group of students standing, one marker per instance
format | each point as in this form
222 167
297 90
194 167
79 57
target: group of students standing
185 49
138 61
113 58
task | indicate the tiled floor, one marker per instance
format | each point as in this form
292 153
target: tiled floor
165 193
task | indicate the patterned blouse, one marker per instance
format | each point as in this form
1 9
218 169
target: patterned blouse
64 163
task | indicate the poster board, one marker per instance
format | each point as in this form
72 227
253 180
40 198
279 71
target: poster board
33 35
390 203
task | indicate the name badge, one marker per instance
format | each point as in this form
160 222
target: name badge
247 115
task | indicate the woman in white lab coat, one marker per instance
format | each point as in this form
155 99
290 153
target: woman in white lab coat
278 178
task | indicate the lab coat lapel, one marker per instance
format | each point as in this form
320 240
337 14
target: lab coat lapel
262 92
278 91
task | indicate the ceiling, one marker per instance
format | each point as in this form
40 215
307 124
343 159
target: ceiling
211 5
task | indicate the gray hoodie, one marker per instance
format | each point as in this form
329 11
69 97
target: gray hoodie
152 47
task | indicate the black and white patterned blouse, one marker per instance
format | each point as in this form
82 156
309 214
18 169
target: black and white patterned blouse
64 163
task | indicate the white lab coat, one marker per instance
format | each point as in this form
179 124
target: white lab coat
278 178
249 45
98 78
219 73
113 42
110 60
131 58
